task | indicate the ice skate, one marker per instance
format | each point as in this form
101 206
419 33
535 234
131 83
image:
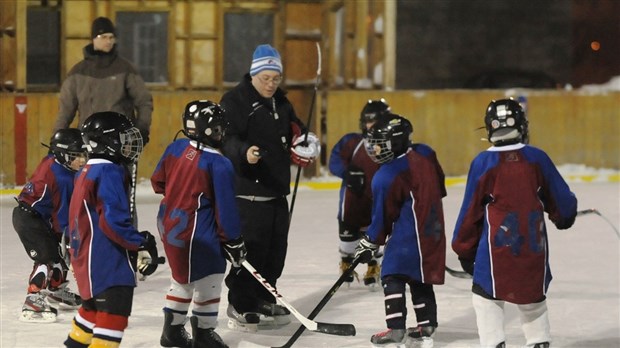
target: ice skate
63 297
246 322
390 338
205 337
371 278
345 263
421 336
272 316
36 309
174 335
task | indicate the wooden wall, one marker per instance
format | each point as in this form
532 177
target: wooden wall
572 127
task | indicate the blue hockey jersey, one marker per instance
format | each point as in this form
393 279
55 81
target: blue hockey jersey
407 216
501 225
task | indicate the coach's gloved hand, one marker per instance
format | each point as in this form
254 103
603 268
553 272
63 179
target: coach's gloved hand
305 151
147 254
354 178
468 266
234 251
365 249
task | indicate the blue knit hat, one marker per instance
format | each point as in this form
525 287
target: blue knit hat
265 58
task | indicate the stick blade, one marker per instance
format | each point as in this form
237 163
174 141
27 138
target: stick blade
336 329
458 274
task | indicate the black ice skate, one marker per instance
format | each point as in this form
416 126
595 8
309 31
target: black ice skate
174 335
421 336
205 337
36 309
247 322
272 316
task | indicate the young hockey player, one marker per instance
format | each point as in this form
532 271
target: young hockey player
105 246
500 235
199 225
407 217
350 162
41 219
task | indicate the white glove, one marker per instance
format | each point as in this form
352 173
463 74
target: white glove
304 153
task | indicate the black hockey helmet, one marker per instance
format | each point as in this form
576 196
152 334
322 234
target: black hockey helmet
388 138
371 111
112 136
204 121
66 145
505 122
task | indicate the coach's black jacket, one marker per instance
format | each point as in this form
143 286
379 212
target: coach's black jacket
252 121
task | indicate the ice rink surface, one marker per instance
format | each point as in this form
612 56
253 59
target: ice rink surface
583 300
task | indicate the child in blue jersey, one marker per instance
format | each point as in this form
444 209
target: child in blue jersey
41 220
350 162
199 225
407 217
500 235
105 246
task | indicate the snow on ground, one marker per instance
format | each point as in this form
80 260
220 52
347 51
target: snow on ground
584 297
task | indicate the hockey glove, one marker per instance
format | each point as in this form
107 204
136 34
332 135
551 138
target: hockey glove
468 266
147 261
365 249
303 152
234 251
355 179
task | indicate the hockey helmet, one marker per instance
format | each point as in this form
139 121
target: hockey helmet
66 145
371 111
505 122
204 121
388 138
112 136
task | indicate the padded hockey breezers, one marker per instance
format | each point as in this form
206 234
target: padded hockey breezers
205 337
174 335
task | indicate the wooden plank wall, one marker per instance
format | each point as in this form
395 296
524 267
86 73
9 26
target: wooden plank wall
572 127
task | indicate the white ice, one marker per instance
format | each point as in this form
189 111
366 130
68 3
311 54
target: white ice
583 301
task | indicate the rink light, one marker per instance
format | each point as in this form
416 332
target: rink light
595 45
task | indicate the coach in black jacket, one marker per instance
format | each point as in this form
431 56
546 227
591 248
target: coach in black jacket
262 129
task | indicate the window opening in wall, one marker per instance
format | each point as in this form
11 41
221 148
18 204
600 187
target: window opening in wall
142 38
42 47
242 33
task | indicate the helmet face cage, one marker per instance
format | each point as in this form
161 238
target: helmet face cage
204 122
505 122
388 138
372 110
112 135
66 145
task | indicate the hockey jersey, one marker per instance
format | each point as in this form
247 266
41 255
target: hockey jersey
48 192
353 209
501 225
198 211
407 216
101 229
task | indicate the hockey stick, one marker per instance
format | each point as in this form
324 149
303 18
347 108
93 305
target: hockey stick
594 211
316 87
322 303
132 193
327 328
458 274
